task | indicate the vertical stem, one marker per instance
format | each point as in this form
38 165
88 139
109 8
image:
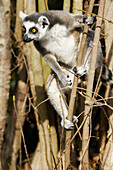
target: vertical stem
74 89
42 7
38 92
66 5
77 4
90 84
46 5
5 56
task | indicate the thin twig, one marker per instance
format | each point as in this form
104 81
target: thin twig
46 5
62 132
21 132
86 147
98 85
95 15
51 147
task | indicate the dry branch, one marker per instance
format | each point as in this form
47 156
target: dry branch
21 91
66 5
21 131
90 84
74 89
106 155
77 4
5 56
99 16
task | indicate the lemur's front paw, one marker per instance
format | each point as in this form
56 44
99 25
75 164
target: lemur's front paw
67 124
90 20
66 78
81 72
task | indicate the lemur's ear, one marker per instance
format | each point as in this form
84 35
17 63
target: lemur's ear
22 15
43 21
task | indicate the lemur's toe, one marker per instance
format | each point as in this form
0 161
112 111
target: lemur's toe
75 119
67 124
75 69
81 72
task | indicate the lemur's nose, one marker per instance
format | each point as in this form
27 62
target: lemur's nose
26 39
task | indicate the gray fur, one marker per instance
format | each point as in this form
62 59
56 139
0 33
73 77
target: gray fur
57 17
58 40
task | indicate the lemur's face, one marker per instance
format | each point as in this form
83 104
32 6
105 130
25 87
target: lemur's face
34 29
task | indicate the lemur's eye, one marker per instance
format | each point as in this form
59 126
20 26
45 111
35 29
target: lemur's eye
23 29
33 30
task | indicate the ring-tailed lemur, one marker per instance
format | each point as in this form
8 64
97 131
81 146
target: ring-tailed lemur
57 36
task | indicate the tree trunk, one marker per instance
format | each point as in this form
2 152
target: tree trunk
21 91
66 5
38 92
86 135
107 160
46 71
74 89
4 64
77 4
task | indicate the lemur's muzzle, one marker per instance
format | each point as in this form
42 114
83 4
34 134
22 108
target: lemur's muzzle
26 39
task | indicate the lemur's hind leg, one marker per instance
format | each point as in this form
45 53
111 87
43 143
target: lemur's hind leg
58 103
81 72
107 76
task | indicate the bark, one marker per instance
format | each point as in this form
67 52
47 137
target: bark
38 92
12 140
66 5
21 92
86 137
4 65
52 133
18 25
36 82
77 4
21 115
107 160
102 132
41 6
109 30
74 90
8 142
45 72
36 159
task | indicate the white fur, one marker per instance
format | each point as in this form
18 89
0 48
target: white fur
22 15
57 101
43 19
61 44
54 94
29 25
41 31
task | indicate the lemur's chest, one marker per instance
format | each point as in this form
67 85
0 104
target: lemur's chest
62 45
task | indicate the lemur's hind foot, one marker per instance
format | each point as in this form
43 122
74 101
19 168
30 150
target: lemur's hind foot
68 124
107 76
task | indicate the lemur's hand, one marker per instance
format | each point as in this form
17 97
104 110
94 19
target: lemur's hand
66 77
90 20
